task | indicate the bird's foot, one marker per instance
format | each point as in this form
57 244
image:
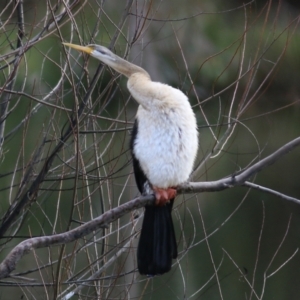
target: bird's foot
163 196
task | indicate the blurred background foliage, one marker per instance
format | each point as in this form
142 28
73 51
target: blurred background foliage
200 47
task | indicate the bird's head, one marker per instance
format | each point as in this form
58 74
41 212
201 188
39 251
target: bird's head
109 58
99 52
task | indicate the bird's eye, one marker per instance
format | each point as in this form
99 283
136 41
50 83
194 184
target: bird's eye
102 52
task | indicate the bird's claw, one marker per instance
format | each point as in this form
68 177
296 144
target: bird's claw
163 196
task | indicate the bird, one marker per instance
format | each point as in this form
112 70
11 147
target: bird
164 145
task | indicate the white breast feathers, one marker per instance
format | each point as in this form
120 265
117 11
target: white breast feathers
167 139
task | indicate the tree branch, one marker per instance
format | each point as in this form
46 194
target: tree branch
241 177
9 263
270 191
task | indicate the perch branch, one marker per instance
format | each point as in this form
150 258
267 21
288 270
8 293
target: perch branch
9 263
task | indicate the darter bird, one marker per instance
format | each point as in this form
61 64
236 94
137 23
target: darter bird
164 145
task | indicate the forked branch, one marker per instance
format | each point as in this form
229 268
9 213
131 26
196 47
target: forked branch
240 179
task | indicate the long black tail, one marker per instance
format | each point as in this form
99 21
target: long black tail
157 246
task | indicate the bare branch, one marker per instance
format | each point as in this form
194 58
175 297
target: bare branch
270 191
240 178
16 254
9 263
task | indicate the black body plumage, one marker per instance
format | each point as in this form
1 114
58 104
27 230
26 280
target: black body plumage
157 245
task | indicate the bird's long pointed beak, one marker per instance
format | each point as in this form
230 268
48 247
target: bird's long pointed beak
85 49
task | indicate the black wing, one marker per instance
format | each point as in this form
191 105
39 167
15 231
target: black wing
139 175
